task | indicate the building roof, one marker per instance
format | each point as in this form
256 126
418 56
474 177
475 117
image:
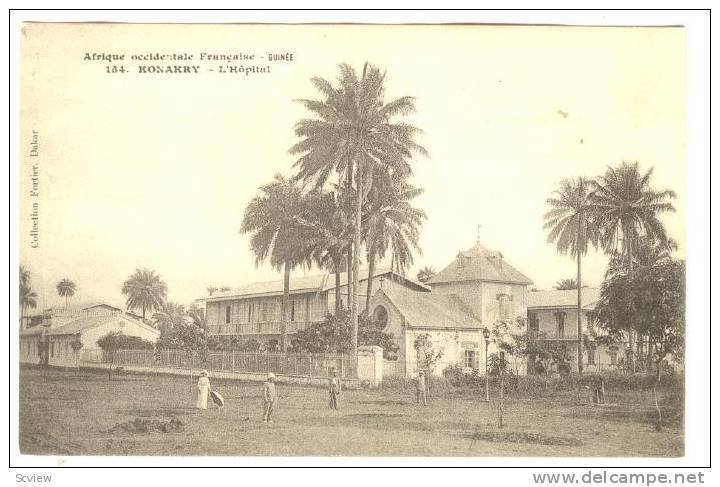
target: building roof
85 323
563 299
480 264
35 330
301 284
428 310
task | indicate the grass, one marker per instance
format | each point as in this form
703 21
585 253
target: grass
82 413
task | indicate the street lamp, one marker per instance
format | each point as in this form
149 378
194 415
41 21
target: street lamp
486 335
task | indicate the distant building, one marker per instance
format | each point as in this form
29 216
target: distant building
253 311
50 342
552 315
476 290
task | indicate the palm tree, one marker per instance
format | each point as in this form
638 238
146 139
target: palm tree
647 253
627 211
392 223
330 230
169 316
572 229
276 220
145 290
28 297
353 136
425 274
211 289
566 284
66 288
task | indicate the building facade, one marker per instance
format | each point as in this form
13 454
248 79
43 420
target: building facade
475 291
254 311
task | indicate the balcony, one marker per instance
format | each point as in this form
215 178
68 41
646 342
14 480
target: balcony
263 328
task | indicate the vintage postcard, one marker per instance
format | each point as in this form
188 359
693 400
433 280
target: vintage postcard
335 240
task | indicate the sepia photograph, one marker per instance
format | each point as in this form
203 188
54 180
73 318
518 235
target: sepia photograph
338 240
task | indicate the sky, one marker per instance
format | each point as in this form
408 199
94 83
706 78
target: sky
155 170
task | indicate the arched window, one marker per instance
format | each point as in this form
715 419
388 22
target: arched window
380 315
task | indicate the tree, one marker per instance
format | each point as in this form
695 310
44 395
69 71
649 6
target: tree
566 284
650 302
627 210
76 346
66 288
427 355
425 274
392 223
197 316
169 316
116 340
353 136
333 335
277 219
145 290
330 231
28 297
211 289
572 230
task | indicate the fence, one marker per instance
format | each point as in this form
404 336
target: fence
302 365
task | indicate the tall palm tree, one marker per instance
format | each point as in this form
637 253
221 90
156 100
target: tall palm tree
392 223
330 231
66 288
211 289
647 253
145 290
425 274
627 209
353 136
28 297
571 228
276 218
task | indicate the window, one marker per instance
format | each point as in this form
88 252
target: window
533 324
52 349
264 315
560 317
380 315
591 355
251 307
292 310
227 314
471 359
503 306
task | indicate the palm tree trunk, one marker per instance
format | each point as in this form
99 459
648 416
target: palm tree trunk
658 424
371 273
349 285
631 335
338 297
356 261
579 314
285 307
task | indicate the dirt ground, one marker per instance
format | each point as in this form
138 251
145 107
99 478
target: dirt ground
84 413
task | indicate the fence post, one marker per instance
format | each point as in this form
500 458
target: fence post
342 366
233 360
311 366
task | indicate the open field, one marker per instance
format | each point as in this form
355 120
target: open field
72 413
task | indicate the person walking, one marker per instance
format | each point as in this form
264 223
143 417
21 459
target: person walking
269 397
203 387
421 389
335 388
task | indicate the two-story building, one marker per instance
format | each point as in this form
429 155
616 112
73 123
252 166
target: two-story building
552 316
253 311
475 291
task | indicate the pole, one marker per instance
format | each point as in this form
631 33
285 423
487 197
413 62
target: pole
487 377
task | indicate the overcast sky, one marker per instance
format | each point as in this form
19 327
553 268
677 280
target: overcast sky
155 170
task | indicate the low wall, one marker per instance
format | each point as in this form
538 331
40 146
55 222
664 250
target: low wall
242 376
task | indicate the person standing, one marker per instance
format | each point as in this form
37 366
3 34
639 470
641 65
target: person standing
203 387
335 388
269 397
421 389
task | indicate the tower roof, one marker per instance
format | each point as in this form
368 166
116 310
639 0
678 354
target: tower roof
480 264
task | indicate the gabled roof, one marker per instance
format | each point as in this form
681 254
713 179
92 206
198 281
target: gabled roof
428 310
302 284
480 264
85 323
562 299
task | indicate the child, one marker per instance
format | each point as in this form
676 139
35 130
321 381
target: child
203 387
335 389
420 389
269 397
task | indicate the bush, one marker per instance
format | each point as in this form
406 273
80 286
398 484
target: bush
118 341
